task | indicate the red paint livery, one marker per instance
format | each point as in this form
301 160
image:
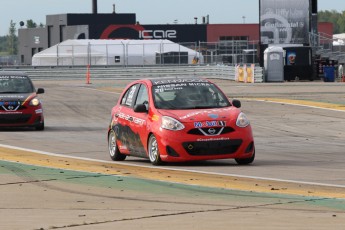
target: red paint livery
179 119
19 105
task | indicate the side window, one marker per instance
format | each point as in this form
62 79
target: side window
143 97
123 101
128 97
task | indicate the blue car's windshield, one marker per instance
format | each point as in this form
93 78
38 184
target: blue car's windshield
188 95
15 84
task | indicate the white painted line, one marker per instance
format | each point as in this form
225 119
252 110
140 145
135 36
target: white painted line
173 169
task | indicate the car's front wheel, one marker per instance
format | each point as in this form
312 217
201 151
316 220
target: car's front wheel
114 151
40 127
245 161
153 151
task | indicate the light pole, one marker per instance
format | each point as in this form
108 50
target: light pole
244 19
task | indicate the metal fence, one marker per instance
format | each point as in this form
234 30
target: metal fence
98 72
204 53
9 60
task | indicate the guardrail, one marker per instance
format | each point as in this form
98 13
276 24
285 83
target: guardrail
108 72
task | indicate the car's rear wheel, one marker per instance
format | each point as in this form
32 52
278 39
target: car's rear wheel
153 151
114 151
245 161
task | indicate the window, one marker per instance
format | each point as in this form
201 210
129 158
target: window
117 59
233 38
143 97
128 97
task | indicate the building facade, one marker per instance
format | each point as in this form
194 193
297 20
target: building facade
124 26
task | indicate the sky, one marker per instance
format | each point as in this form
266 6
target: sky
147 11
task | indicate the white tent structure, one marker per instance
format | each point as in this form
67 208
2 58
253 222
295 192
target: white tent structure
339 39
116 52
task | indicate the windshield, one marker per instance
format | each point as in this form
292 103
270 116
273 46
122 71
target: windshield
15 84
188 95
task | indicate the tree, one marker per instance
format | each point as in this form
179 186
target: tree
335 17
12 39
341 22
31 24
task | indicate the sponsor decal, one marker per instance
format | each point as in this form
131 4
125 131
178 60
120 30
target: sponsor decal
213 139
12 77
10 105
199 124
176 81
177 86
155 117
142 32
212 115
12 96
158 34
131 118
37 111
291 58
112 28
209 111
10 112
284 22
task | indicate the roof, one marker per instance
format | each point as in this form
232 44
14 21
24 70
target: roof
339 36
114 46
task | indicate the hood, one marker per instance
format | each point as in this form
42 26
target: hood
216 114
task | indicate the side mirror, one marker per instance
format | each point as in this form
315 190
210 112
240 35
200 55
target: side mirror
40 91
236 103
140 108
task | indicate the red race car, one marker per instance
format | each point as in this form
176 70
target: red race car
179 119
19 105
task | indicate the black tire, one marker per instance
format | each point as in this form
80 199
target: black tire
114 151
40 127
245 161
153 151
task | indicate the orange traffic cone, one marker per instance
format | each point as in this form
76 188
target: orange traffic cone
88 74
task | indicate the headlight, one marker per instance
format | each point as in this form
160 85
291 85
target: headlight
242 120
35 102
171 124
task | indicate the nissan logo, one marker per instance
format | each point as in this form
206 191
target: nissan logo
211 131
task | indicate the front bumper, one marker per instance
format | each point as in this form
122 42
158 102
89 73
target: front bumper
27 118
174 147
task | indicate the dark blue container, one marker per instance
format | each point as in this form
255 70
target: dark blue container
329 74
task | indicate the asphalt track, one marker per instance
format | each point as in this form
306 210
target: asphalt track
63 178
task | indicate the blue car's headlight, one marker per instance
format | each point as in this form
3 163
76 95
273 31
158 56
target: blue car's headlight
171 124
242 120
